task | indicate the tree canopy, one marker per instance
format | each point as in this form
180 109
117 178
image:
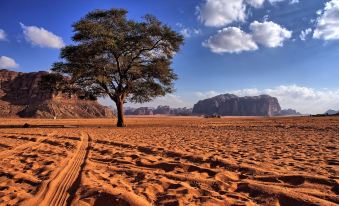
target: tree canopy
123 59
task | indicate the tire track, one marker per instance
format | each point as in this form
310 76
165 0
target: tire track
56 191
223 177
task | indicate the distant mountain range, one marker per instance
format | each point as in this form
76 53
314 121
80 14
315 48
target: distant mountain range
232 105
160 110
20 96
223 105
329 112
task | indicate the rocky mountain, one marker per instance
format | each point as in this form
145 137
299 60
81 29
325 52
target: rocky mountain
232 105
164 110
288 112
139 111
223 105
331 112
22 96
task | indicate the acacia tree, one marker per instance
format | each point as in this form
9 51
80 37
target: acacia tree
120 58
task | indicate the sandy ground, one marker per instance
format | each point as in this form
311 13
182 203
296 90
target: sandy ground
170 161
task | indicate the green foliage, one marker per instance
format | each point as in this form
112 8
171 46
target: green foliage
120 58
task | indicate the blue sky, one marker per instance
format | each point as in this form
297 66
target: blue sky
247 47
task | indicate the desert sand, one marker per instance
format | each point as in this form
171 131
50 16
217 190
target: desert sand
170 161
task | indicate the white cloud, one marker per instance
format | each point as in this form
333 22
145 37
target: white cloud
207 94
41 37
269 33
2 35
234 40
188 32
303 34
290 1
274 1
255 3
7 63
216 13
230 40
171 100
304 99
221 12
327 23
294 1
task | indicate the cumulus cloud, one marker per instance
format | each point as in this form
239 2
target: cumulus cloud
303 34
304 99
234 40
221 12
7 63
216 13
2 35
230 40
327 23
269 33
41 37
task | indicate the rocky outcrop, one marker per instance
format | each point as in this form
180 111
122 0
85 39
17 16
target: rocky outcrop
22 96
288 112
138 111
160 110
331 112
23 88
232 105
166 110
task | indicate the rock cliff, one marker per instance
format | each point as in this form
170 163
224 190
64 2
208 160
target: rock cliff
232 105
22 96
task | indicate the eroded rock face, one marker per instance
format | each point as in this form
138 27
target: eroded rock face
22 96
232 105
23 88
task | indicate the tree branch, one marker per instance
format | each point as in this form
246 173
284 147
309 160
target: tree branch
140 52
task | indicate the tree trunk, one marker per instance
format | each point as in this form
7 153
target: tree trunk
120 109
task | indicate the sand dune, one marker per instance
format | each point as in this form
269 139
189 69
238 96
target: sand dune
171 161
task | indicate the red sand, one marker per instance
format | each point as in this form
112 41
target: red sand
171 161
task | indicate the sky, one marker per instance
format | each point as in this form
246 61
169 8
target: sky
285 48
